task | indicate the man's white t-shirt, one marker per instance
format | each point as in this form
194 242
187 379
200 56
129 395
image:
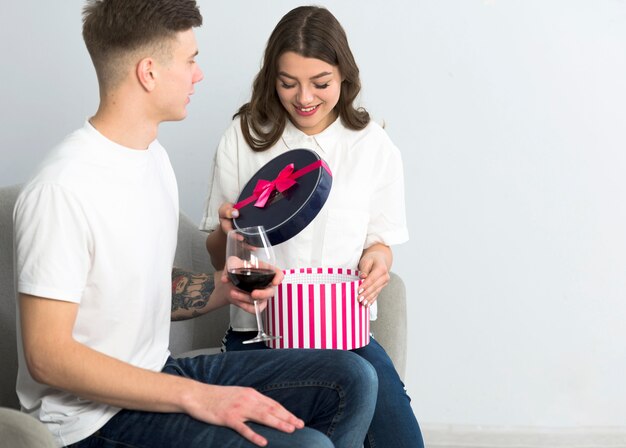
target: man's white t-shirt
365 205
97 226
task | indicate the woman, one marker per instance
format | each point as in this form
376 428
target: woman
303 98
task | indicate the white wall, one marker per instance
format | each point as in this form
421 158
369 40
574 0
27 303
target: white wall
510 116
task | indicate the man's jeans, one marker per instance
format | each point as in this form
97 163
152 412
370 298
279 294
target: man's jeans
334 392
394 423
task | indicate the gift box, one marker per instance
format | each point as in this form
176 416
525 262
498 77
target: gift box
318 308
285 195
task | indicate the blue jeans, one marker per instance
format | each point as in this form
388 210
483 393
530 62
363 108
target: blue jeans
334 394
394 423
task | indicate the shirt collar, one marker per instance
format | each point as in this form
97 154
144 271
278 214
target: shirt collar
294 138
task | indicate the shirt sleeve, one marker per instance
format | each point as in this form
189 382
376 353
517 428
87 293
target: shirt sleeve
52 243
387 223
224 183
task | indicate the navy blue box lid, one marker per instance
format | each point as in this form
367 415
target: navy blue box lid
285 195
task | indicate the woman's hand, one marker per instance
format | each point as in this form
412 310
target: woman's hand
226 214
216 241
374 267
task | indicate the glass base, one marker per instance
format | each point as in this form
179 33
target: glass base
261 337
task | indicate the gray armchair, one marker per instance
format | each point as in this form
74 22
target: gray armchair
192 336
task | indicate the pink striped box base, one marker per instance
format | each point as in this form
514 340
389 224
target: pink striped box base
318 308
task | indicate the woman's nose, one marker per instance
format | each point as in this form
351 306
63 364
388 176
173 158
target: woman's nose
305 96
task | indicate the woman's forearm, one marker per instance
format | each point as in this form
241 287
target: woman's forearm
216 246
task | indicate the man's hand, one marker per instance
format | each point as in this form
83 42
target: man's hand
244 300
233 406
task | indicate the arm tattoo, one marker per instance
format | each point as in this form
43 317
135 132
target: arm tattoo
190 293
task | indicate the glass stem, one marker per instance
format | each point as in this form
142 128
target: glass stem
259 322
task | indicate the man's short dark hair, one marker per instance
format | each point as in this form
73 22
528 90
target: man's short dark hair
113 29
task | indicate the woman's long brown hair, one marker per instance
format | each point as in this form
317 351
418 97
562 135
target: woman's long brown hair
311 32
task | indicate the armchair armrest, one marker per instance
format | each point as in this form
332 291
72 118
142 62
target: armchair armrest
20 430
389 329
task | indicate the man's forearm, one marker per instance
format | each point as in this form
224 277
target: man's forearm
56 359
97 377
191 294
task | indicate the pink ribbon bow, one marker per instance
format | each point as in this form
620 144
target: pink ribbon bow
282 183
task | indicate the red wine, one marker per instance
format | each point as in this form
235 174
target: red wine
249 279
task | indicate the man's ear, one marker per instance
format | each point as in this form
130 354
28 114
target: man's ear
146 74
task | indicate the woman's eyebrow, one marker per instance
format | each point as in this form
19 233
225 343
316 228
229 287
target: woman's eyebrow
319 75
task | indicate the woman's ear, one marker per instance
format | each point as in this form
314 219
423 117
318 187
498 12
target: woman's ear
146 74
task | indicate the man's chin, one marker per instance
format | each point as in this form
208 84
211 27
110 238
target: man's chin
179 117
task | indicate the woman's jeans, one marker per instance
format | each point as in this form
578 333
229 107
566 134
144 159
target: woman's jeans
333 392
394 424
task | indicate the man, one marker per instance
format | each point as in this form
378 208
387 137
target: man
95 235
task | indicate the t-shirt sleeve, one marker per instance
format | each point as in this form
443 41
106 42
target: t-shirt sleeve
387 223
224 183
52 243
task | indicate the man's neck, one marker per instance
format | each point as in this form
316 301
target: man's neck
124 124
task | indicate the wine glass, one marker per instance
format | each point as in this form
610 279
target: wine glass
250 265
